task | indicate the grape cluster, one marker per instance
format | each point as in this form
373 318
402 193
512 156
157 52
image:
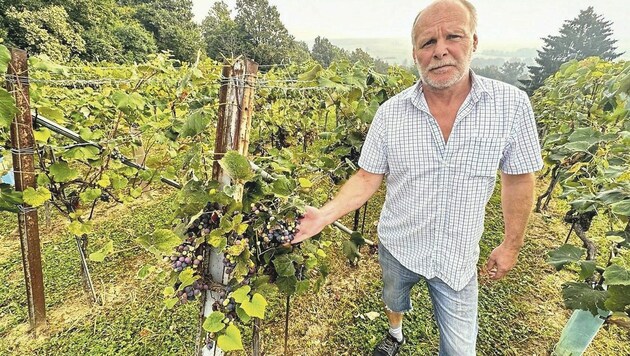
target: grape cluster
184 256
192 291
277 230
205 223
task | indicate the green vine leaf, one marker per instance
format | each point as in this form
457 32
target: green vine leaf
236 166
564 255
187 277
161 242
7 108
5 58
62 173
231 340
99 256
256 307
53 114
582 296
284 266
36 197
90 195
78 228
9 198
618 298
617 275
214 322
621 208
242 294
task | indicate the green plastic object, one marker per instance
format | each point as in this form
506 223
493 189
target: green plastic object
579 332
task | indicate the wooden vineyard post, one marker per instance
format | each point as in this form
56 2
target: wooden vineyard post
236 98
23 149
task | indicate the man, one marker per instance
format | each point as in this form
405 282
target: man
440 143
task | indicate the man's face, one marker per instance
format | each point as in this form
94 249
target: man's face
443 45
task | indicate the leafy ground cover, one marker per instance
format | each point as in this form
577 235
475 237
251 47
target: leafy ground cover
523 314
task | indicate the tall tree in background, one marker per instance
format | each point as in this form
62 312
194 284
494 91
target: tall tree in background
586 35
220 33
325 52
171 22
266 39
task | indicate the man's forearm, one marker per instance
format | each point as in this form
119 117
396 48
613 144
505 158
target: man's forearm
352 195
517 196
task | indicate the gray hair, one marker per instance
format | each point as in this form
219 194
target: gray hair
472 12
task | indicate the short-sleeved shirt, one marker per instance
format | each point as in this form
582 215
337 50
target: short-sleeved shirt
433 216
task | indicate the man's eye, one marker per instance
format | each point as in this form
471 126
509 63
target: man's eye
429 42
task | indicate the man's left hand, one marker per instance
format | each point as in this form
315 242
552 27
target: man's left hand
501 261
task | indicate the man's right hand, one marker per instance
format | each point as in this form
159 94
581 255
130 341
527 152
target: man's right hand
310 224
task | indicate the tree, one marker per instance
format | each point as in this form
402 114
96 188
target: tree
266 39
171 23
220 33
586 35
47 30
324 52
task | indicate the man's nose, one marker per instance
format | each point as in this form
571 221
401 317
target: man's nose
441 50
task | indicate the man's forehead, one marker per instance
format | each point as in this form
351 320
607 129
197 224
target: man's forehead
445 12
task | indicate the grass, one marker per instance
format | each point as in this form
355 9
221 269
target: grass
520 315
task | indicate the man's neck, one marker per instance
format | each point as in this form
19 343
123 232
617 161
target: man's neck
453 95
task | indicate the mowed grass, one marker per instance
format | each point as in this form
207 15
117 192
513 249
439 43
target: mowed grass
520 315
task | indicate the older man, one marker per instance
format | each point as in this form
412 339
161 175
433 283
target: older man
440 144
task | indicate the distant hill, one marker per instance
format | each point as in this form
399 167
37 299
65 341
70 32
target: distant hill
398 51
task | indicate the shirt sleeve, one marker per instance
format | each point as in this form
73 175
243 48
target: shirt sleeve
374 151
522 153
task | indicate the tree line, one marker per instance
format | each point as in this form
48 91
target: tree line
128 31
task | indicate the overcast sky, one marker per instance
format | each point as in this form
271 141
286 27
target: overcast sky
503 24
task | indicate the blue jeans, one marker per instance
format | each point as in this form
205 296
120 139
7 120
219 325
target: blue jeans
455 311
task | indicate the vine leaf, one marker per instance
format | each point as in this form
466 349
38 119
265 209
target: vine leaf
256 307
284 266
62 173
99 256
9 198
242 294
587 268
582 296
242 315
350 247
161 242
236 166
90 194
214 322
305 183
187 277
36 197
621 208
564 255
283 187
128 102
7 108
51 114
231 340
196 123
287 285
78 228
5 58
617 275
618 298
42 135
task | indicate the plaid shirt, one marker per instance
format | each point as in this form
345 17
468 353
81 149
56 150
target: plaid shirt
434 208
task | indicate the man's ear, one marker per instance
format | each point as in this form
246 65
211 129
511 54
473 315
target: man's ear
475 41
